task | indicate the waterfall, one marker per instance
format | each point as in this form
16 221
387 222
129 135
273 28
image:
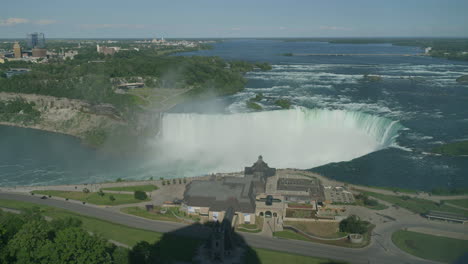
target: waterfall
295 138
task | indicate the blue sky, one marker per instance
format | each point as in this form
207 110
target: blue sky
233 18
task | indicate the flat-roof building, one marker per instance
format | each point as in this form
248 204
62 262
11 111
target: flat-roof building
212 197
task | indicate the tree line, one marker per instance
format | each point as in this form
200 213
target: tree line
88 76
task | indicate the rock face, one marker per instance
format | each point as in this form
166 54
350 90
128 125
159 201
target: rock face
68 116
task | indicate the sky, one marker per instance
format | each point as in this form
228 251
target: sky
234 18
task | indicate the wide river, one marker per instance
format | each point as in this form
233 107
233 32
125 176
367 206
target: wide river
374 133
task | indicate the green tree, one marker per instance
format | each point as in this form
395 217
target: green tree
353 224
143 253
101 193
120 255
63 223
111 198
30 245
76 246
140 195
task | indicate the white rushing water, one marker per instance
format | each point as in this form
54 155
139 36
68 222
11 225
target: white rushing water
295 138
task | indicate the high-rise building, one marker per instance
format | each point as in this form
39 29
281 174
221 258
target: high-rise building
17 50
36 40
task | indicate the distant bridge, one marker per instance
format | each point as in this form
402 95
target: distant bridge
357 54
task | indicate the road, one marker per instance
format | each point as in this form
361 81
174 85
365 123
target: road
381 249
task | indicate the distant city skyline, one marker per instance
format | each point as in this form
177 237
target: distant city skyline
224 19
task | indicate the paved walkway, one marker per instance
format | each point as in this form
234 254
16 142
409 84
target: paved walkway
267 230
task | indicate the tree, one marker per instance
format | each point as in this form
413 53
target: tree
10 224
185 181
353 224
120 255
30 245
76 246
174 181
140 195
101 193
86 190
143 253
111 198
63 223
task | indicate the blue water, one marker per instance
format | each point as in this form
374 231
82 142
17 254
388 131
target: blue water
420 93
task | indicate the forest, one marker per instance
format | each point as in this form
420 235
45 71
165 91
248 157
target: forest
88 76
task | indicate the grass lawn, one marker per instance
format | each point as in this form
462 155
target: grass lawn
93 197
175 248
240 229
155 215
290 235
141 212
126 235
145 188
320 229
430 247
269 256
416 205
300 213
459 202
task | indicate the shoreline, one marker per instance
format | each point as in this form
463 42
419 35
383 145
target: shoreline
94 187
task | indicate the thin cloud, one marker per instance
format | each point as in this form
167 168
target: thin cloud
45 22
103 26
13 21
335 28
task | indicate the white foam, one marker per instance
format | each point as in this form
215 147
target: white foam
299 138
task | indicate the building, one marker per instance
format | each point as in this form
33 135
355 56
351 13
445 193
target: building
69 54
127 86
36 40
17 50
39 53
338 195
211 198
107 50
16 71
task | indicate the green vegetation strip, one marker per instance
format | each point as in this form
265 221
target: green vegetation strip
396 189
453 149
170 215
458 202
175 248
430 247
269 256
92 197
145 188
416 205
290 235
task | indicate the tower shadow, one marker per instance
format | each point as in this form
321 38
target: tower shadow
212 242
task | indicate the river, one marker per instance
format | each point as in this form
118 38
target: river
364 132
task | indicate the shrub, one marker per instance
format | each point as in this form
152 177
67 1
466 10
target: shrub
140 195
111 198
85 190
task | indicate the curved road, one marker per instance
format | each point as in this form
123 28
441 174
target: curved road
381 250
